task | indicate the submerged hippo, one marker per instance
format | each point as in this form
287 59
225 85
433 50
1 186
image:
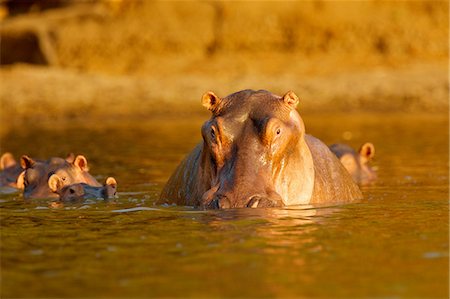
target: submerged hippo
357 163
9 170
82 191
34 179
255 153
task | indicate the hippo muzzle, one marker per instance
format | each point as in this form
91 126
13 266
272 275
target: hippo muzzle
221 201
244 178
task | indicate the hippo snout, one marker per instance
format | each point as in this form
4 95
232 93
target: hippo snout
271 200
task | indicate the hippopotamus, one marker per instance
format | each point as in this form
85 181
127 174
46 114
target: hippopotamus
34 179
9 170
82 191
357 163
255 153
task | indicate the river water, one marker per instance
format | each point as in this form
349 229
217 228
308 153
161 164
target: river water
394 243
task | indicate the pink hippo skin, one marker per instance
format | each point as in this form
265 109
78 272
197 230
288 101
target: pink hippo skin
255 153
34 179
357 163
9 170
82 191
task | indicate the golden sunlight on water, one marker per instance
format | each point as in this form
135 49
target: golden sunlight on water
392 244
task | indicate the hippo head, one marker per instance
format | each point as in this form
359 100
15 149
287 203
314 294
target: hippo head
248 141
6 161
76 170
9 170
33 180
82 191
357 163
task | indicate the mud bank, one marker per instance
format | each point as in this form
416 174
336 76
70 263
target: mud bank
32 93
134 59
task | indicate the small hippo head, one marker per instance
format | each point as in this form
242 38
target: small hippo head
33 180
9 170
357 163
7 160
247 143
76 170
82 191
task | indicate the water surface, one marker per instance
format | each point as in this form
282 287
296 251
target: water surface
392 244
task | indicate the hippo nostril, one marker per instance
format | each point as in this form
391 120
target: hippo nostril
213 204
220 202
254 201
224 203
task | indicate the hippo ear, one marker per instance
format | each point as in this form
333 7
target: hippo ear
70 157
111 182
81 163
7 160
26 162
20 180
291 99
367 151
210 101
55 183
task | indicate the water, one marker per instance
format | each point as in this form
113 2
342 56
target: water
392 244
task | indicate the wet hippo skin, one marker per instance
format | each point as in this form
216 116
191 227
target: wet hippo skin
255 153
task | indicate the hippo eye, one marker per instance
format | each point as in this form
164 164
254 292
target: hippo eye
278 131
213 133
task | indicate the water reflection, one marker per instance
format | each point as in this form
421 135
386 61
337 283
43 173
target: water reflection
392 244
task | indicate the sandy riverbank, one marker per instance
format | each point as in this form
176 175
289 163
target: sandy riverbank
138 59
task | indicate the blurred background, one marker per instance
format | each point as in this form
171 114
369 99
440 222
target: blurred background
115 59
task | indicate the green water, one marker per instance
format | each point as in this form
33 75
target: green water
392 244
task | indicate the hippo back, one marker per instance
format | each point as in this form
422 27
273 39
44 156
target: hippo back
340 149
332 182
183 187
